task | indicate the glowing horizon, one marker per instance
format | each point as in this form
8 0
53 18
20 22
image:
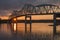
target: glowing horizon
35 17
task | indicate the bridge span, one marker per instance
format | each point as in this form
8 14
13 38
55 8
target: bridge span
44 9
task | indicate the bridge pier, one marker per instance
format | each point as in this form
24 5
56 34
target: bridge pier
30 22
54 27
30 25
56 15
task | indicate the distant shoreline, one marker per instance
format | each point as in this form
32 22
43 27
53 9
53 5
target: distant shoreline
33 21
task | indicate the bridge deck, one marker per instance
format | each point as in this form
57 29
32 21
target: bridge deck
57 14
31 14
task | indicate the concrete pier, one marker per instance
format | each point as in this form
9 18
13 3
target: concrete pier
54 27
29 16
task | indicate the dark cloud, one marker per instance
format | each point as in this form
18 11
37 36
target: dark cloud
6 5
13 4
9 4
5 12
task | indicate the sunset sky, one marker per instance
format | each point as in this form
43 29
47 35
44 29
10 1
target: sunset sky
7 6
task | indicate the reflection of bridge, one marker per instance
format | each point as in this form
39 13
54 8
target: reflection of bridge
28 10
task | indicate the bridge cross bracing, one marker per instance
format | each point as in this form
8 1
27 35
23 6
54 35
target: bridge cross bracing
29 9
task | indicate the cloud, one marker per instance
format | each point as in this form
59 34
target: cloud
5 12
14 4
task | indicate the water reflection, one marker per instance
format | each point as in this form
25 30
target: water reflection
36 27
6 28
14 26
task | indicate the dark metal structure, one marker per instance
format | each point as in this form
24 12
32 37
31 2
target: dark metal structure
43 9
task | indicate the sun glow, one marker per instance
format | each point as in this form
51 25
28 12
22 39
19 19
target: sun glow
14 19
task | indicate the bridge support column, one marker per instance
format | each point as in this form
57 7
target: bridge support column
25 24
30 25
29 16
54 28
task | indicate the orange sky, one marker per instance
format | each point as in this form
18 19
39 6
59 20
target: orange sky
36 17
4 17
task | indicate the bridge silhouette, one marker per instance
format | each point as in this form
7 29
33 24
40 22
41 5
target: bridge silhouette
43 9
29 9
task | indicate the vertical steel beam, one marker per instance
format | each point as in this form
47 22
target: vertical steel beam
30 25
54 28
25 24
